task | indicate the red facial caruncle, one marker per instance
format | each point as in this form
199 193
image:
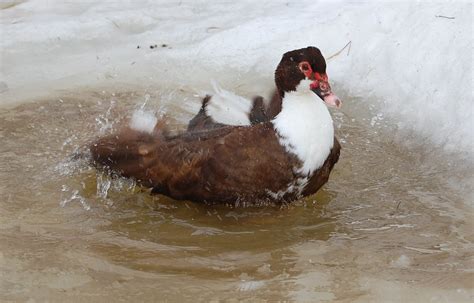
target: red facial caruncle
320 85
306 69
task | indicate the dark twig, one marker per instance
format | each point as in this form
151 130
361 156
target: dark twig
398 205
337 54
446 17
114 23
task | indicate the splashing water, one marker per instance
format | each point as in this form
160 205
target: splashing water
75 196
104 122
103 185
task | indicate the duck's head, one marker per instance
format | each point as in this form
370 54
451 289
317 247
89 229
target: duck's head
305 69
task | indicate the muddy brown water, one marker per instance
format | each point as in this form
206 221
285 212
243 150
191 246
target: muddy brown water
393 224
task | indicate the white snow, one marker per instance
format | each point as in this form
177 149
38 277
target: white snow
404 58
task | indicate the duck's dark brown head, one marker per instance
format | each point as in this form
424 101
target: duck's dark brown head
305 64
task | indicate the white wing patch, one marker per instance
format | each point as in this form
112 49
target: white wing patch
143 121
228 108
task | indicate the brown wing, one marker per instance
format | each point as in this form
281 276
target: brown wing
218 165
131 153
245 163
252 163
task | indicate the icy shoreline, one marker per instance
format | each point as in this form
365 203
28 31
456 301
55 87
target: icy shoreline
413 61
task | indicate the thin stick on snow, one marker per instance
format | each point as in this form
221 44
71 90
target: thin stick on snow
441 16
337 54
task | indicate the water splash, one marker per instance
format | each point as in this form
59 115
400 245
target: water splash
144 121
69 141
123 184
144 104
77 162
144 118
105 122
75 196
103 185
107 184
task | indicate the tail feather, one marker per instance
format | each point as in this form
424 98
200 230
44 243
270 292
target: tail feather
127 152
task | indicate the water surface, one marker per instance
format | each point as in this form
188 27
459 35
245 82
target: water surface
392 224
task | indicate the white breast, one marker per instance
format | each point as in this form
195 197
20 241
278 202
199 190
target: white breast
306 127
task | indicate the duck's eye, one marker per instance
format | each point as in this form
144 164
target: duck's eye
306 68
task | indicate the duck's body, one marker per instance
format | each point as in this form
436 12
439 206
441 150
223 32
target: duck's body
279 159
216 109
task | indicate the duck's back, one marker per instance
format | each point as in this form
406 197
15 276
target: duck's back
222 165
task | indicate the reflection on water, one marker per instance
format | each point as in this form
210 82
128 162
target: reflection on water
391 224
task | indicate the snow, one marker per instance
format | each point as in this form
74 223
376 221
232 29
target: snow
405 58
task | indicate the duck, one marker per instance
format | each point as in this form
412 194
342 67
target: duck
278 151
225 108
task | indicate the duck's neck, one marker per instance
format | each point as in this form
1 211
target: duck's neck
305 128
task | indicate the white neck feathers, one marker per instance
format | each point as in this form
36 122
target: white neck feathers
305 128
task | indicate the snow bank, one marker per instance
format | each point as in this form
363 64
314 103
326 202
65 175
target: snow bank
412 60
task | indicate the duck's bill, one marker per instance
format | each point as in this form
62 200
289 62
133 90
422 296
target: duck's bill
323 90
329 98
332 100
